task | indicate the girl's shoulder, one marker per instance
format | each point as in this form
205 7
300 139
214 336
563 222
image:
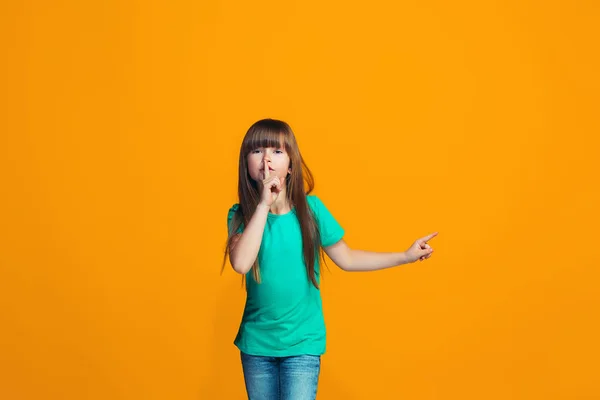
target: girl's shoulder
313 199
232 210
314 202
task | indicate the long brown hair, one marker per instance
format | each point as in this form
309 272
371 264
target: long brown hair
299 183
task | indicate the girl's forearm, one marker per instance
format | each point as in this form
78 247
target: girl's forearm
371 261
246 248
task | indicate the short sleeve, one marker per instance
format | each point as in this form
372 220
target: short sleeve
230 215
330 229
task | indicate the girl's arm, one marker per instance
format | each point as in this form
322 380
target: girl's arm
245 246
358 260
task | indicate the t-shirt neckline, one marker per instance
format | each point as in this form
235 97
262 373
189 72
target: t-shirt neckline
292 211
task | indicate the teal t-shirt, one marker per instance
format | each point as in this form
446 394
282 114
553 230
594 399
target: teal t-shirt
283 315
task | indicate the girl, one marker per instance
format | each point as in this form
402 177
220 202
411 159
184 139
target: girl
277 235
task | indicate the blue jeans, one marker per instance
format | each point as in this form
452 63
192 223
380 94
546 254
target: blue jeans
281 378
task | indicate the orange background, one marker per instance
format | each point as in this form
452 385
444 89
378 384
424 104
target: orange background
120 131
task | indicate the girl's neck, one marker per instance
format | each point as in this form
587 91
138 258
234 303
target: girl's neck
281 205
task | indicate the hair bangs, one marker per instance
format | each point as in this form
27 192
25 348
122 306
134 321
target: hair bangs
264 135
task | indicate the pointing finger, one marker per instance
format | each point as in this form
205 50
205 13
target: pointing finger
429 237
266 169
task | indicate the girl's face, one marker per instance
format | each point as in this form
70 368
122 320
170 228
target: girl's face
276 159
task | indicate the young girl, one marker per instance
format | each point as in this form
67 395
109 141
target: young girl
277 235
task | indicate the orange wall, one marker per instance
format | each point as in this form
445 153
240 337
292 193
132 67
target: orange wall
120 130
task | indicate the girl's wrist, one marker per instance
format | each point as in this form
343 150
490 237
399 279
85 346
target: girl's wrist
263 207
408 257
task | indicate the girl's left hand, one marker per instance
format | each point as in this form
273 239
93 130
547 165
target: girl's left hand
420 249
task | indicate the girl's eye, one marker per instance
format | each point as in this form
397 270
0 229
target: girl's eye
255 151
279 151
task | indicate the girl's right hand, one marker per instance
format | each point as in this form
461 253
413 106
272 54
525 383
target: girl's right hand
271 187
